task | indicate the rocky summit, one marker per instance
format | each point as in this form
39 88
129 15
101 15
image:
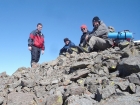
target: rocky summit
109 77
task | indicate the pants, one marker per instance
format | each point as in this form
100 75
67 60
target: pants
98 43
35 54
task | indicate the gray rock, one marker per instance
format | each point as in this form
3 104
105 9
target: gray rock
19 98
44 82
78 65
42 100
123 84
101 73
39 91
92 88
132 87
106 70
18 89
26 89
53 63
81 82
123 44
61 89
104 93
1 100
98 58
11 90
114 74
66 82
3 75
91 80
93 55
127 52
55 99
134 78
129 65
137 89
54 82
75 100
15 84
28 83
74 90
111 64
122 100
80 74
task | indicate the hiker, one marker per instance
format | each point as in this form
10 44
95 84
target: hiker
83 45
98 39
36 45
85 32
67 46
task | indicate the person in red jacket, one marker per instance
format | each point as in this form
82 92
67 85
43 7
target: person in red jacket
36 45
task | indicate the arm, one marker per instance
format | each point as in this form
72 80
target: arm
100 32
80 41
43 46
62 50
72 45
31 38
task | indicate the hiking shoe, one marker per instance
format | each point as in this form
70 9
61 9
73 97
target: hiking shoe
74 49
34 65
87 49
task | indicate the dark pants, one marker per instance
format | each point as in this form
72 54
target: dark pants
35 54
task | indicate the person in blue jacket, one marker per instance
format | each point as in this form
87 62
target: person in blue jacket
67 46
85 32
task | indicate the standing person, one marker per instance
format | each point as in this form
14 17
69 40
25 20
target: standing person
98 39
36 45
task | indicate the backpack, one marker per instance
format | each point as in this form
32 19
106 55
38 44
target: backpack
120 42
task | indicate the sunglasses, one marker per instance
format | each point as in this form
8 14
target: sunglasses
82 29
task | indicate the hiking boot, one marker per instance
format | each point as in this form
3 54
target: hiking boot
89 49
34 65
86 49
69 51
74 49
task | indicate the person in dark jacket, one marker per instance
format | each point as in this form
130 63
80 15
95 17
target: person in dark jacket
67 46
85 32
98 38
36 45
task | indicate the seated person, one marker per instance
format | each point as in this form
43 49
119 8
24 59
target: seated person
98 39
83 36
67 46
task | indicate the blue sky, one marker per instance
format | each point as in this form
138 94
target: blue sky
60 19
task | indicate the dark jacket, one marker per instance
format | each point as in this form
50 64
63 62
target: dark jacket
66 47
102 32
36 38
82 40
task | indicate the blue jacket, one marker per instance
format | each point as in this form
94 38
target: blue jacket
66 47
82 40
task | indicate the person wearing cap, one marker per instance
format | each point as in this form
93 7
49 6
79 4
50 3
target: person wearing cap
98 39
67 46
83 36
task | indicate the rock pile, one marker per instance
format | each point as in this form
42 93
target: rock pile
110 77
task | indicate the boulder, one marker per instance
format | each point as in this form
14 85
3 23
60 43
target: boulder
129 65
19 98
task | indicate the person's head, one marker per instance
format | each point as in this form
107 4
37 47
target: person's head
39 26
96 21
84 28
66 41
